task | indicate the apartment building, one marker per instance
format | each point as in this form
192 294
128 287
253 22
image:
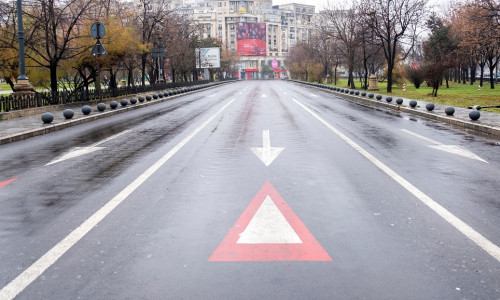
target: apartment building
258 32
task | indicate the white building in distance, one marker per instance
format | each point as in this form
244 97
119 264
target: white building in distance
256 31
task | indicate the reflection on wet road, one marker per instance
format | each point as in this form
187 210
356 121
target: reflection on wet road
349 180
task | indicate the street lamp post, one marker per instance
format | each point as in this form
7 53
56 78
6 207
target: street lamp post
161 51
372 83
328 77
22 84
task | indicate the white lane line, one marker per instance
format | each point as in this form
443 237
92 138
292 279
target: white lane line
453 149
314 95
29 275
460 225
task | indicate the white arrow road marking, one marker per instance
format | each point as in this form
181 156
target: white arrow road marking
79 151
269 226
267 154
454 149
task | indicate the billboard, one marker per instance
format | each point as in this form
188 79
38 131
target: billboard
251 39
207 58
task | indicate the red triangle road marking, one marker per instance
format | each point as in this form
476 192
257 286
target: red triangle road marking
3 184
307 248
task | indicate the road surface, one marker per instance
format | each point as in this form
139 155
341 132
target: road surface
251 190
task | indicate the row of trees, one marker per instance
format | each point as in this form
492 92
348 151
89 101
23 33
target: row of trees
406 41
58 43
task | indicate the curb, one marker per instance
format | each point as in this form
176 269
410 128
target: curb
85 119
367 102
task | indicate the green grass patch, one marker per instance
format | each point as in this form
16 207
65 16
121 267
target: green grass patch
4 87
457 95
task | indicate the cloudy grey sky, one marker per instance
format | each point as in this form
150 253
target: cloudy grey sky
441 5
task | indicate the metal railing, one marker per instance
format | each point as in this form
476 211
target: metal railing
39 99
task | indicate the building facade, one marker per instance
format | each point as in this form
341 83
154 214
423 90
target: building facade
257 32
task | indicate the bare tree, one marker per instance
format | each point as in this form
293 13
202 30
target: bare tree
345 25
396 26
52 32
9 62
152 18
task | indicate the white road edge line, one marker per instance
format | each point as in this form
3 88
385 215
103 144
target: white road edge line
460 225
29 275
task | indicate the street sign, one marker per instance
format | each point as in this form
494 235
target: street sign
98 30
207 58
158 52
99 49
268 230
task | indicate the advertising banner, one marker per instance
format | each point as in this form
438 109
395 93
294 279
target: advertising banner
274 64
207 58
251 39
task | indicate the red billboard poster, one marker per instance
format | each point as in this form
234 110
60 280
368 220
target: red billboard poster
251 39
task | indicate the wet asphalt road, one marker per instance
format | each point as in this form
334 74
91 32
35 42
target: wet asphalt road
383 241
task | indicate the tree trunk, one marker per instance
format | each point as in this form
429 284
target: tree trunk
472 74
53 77
143 70
481 76
130 77
389 78
335 74
9 81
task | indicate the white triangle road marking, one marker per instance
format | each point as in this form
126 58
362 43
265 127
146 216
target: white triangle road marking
269 226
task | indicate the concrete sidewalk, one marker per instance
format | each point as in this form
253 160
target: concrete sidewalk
23 124
488 123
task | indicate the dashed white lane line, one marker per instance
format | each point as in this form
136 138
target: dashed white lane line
29 275
460 225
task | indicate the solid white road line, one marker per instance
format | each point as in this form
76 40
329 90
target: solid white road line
460 225
24 279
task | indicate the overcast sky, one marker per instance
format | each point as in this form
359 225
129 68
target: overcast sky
441 5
